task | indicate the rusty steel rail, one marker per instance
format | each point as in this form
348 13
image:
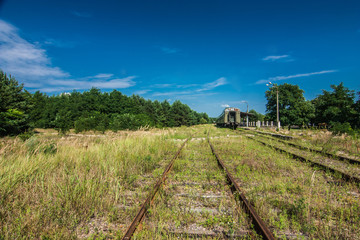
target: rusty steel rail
141 214
259 225
271 134
343 175
327 154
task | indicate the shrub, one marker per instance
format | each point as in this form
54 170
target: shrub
341 128
26 135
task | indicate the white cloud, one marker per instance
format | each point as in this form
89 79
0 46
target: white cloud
22 58
30 64
165 85
209 86
168 85
225 105
274 58
140 92
104 75
204 87
187 85
171 93
102 84
279 78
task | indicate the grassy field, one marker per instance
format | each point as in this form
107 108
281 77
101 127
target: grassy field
78 186
295 199
90 186
324 140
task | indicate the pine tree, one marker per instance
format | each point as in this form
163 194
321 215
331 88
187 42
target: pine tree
13 106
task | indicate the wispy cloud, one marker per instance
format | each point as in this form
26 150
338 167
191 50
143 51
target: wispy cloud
279 78
22 58
198 91
225 105
29 63
140 92
104 75
168 85
157 94
164 85
81 14
186 85
58 43
94 82
275 58
168 50
209 86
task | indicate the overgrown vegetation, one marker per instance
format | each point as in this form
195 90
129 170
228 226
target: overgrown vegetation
87 186
70 187
296 200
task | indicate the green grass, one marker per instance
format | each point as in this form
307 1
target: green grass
195 196
56 187
86 186
292 197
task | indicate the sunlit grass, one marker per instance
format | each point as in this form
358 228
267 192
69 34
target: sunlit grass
90 185
292 197
53 186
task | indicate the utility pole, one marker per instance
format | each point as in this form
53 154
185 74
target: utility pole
277 103
277 107
247 113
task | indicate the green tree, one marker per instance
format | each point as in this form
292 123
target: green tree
37 114
181 114
13 106
293 108
165 108
255 116
336 106
357 114
63 121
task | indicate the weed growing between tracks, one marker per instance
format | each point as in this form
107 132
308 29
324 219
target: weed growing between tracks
89 185
195 200
293 198
77 186
324 140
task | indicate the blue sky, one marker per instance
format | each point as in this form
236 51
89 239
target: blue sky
208 54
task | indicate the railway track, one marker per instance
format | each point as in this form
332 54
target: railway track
331 155
198 199
347 171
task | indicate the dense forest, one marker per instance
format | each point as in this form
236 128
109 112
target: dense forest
89 110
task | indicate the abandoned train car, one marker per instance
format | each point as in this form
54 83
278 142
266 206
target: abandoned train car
230 117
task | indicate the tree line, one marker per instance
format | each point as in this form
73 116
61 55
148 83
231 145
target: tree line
21 110
337 109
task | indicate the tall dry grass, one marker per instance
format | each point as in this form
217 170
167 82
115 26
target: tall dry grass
53 187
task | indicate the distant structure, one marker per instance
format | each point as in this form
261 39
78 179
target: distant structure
232 118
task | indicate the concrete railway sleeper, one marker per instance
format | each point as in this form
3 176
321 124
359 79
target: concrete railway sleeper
302 157
197 201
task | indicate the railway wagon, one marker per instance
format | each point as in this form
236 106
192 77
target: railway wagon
230 117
